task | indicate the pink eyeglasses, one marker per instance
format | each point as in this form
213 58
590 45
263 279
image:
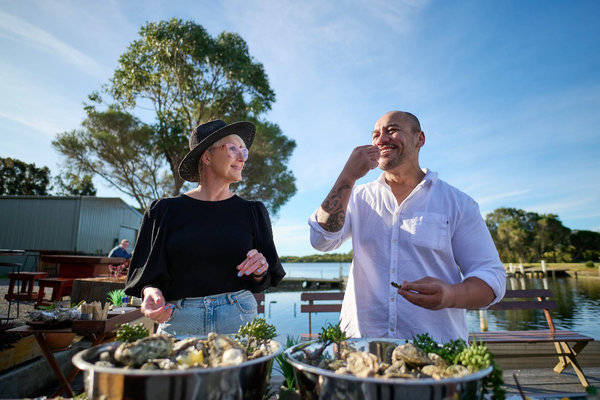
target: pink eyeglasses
234 151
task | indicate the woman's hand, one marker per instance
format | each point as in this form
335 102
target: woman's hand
255 264
154 305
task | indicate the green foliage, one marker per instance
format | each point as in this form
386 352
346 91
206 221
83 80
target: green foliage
17 178
325 258
118 147
285 367
332 333
522 236
448 351
116 297
590 264
131 333
70 184
49 307
187 77
477 357
474 357
256 333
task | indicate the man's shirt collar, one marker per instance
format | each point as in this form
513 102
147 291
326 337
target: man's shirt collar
430 177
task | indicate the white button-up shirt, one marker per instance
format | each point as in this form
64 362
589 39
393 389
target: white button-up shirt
437 231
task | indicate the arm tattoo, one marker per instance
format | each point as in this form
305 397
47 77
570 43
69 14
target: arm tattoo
332 213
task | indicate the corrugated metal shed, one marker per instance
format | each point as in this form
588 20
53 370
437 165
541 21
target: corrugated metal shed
86 224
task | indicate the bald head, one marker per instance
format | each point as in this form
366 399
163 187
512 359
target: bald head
399 137
404 118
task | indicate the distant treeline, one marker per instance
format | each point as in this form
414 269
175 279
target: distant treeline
325 257
520 236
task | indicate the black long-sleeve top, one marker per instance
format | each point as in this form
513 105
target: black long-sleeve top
190 248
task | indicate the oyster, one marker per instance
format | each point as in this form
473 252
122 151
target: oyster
137 353
436 359
410 354
435 371
224 351
106 364
362 364
398 370
457 371
191 357
184 344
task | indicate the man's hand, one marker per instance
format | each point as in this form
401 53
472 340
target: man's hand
428 292
435 294
362 160
153 305
332 213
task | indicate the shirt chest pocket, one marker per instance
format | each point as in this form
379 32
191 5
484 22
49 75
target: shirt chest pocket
430 230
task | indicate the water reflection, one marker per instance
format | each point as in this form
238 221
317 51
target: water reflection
578 305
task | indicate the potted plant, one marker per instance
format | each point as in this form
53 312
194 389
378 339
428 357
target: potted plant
116 298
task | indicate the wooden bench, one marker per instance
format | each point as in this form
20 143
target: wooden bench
534 299
60 287
521 300
311 307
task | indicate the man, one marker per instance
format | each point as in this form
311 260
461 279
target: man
120 250
410 227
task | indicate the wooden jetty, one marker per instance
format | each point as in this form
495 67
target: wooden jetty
293 284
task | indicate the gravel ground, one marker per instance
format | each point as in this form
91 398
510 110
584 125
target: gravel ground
23 307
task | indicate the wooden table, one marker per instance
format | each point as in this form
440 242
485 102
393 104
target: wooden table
82 266
94 331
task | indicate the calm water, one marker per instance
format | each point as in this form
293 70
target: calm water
578 305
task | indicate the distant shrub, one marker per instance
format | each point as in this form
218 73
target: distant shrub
589 264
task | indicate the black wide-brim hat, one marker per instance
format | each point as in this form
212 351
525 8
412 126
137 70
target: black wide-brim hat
204 136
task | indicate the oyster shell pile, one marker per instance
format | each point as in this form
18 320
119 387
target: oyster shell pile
166 352
407 361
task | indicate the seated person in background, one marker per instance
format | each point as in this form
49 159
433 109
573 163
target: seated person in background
120 250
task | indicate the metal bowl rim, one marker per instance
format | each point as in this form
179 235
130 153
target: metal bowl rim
81 363
387 381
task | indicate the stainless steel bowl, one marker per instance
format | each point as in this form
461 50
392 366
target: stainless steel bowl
319 383
248 380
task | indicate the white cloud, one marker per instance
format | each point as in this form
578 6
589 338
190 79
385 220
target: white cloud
500 196
21 30
561 207
41 125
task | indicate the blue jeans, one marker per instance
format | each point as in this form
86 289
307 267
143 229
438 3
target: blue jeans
222 313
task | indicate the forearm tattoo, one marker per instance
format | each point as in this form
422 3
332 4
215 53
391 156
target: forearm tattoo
332 213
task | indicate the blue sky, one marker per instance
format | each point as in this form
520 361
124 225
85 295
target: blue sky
508 92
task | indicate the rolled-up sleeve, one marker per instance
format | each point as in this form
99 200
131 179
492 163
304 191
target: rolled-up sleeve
148 265
324 240
475 252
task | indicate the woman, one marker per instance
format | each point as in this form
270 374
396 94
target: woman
201 254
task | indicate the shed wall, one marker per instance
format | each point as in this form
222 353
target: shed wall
38 223
103 222
89 225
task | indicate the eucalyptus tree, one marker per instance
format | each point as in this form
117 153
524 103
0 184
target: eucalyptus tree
175 75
